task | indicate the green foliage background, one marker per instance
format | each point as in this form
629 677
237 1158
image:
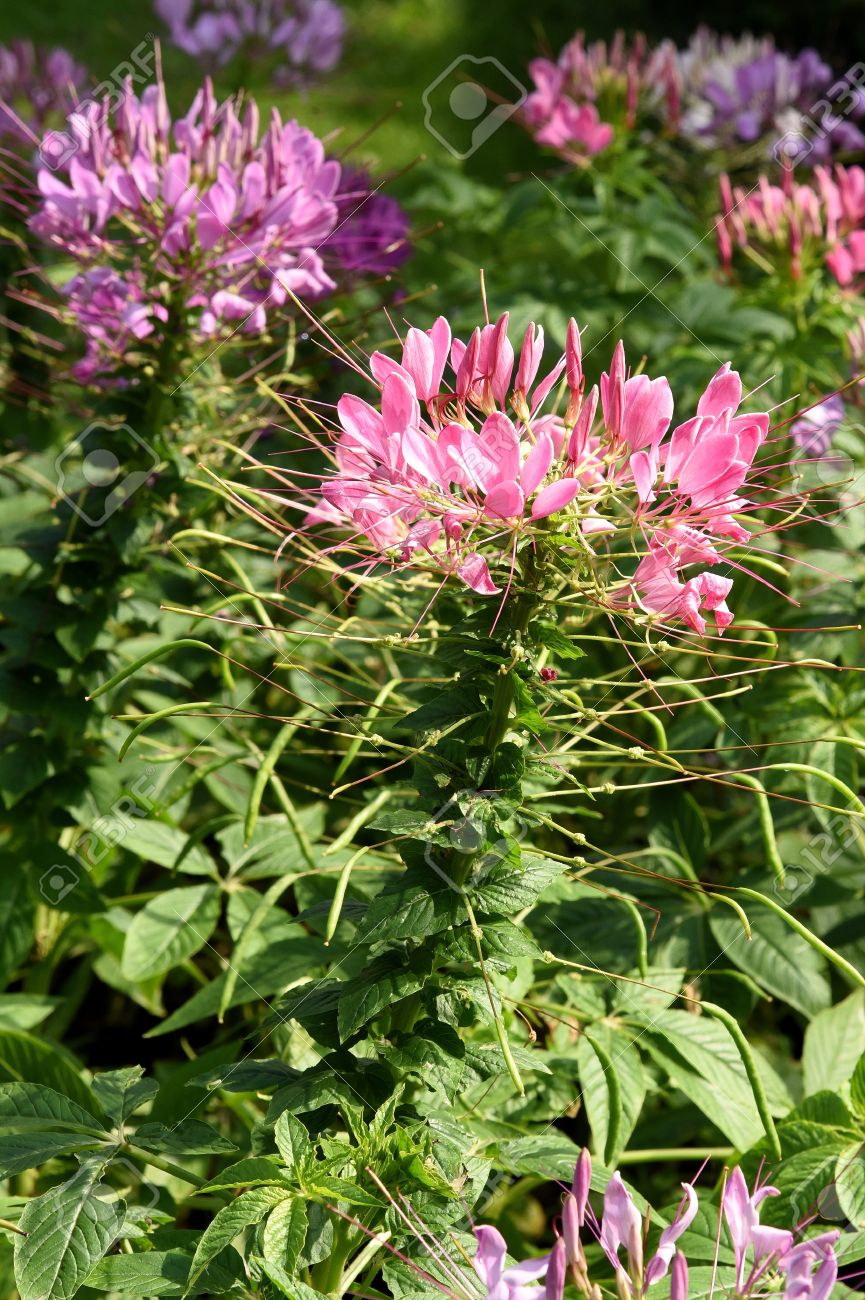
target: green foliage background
191 1051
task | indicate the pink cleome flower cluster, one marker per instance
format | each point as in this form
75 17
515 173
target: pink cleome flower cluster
739 94
823 220
619 80
306 36
459 463
196 226
767 1260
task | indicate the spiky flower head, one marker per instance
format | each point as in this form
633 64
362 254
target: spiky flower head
463 466
200 226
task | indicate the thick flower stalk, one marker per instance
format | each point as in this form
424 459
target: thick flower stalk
460 467
742 91
193 229
300 38
590 92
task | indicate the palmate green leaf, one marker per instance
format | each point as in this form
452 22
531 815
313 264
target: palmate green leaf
834 1043
777 958
168 929
678 823
851 1247
20 1151
264 973
555 640
411 913
68 1230
36 1060
121 1092
160 843
284 1234
417 825
24 1010
254 1171
432 1051
292 1141
701 1060
386 981
190 1137
806 1182
509 889
34 1105
288 1286
249 1208
857 1088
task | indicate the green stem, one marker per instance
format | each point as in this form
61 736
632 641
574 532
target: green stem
327 1276
656 1154
167 1167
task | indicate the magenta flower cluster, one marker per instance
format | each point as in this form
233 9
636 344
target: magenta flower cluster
823 219
719 92
458 463
621 80
304 37
199 226
767 1260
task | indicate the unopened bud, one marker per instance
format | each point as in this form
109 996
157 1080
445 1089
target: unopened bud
679 1277
583 1172
555 1281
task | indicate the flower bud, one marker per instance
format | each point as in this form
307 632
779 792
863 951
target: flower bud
679 1277
555 1280
574 359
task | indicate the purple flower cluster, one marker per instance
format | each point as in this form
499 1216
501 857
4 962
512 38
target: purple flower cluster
767 1260
742 90
372 231
197 227
37 86
305 36
573 98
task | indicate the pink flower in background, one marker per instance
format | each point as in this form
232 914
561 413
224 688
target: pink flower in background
211 225
818 223
505 1282
767 1260
564 111
458 464
301 37
742 92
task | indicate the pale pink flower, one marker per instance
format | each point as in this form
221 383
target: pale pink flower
458 465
